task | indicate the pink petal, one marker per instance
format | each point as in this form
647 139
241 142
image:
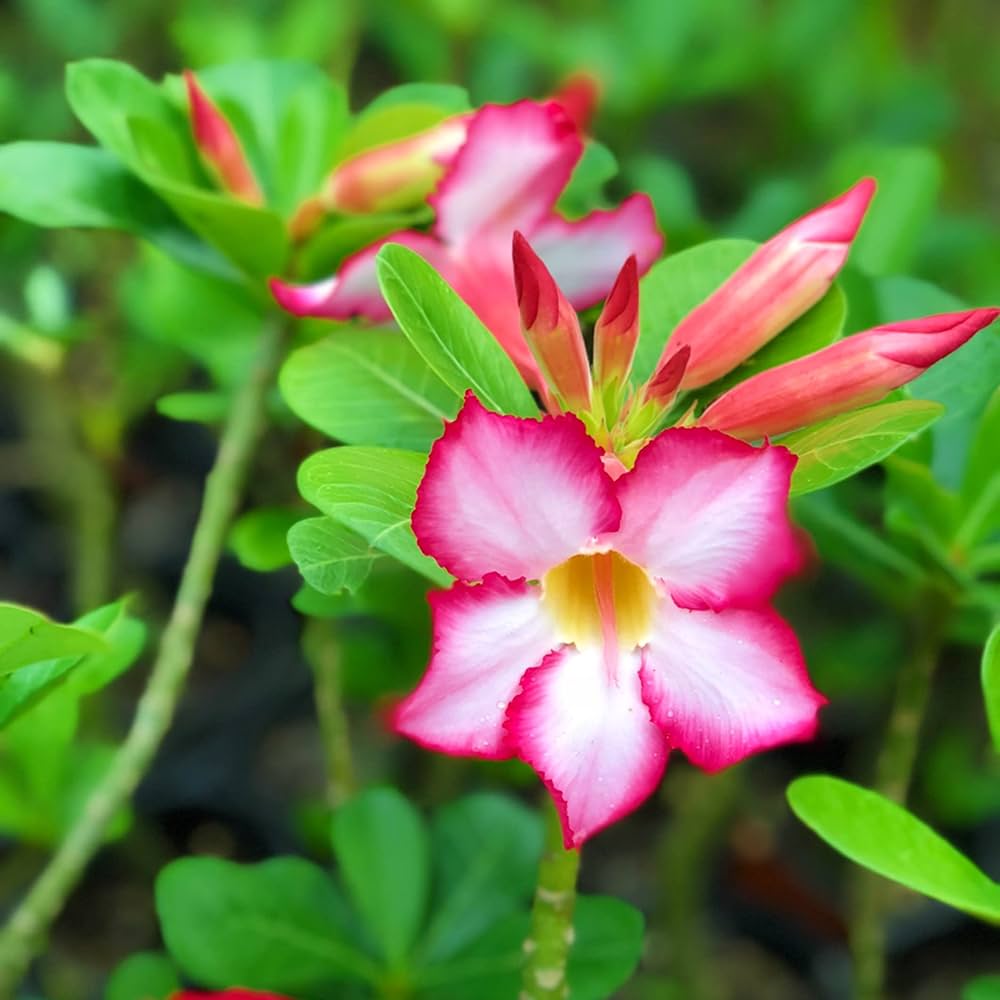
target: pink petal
785 277
707 515
514 164
353 290
485 638
589 736
722 685
511 495
585 256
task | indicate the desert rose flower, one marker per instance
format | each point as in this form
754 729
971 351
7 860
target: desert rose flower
599 622
218 145
507 176
853 372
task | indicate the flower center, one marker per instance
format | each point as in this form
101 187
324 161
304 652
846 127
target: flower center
600 600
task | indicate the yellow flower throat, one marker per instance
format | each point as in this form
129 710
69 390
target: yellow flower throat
599 600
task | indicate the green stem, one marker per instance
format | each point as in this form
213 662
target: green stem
894 772
323 652
22 936
547 945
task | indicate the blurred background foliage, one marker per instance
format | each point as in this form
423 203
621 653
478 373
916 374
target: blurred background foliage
735 116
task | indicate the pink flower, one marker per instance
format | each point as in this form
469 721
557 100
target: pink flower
218 145
853 372
507 176
600 622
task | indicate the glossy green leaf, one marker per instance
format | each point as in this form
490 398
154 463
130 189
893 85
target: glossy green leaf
28 637
486 853
990 673
330 557
58 184
368 387
259 538
371 491
840 447
878 834
447 98
194 407
147 975
914 497
134 119
279 925
449 336
382 849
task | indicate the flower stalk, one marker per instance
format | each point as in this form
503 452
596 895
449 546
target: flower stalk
894 772
23 934
546 948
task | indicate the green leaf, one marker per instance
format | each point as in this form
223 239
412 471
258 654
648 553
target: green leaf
194 407
381 846
982 988
260 538
147 975
674 286
330 557
28 637
915 499
606 949
990 673
58 184
371 491
290 117
279 925
447 98
134 119
486 853
878 834
447 333
368 387
838 448
981 482
909 179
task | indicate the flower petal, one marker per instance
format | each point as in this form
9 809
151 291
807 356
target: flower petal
514 164
353 290
485 638
722 685
511 495
585 256
708 515
589 736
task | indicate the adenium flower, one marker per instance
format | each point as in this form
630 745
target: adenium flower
219 146
602 620
507 176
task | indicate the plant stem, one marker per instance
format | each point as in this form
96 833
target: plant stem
894 771
22 936
323 652
547 946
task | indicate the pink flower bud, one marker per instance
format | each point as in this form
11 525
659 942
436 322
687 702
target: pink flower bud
853 372
617 331
218 145
785 277
578 95
551 329
396 175
666 380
